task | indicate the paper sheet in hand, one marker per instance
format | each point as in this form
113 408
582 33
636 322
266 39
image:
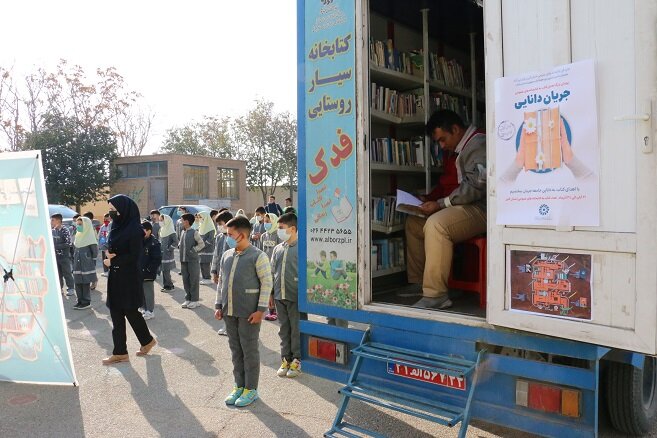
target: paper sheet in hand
409 204
405 198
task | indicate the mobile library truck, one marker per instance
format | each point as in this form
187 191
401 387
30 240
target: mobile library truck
554 315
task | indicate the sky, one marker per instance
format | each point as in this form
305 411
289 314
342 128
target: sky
187 58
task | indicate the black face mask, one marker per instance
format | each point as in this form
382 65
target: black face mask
113 214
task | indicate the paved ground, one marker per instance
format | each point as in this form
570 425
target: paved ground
178 390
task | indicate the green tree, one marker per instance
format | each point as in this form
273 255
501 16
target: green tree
284 129
76 159
210 137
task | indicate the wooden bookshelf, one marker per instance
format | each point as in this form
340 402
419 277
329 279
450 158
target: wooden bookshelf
393 168
381 117
395 79
387 229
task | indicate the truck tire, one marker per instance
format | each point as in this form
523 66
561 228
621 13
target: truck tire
632 396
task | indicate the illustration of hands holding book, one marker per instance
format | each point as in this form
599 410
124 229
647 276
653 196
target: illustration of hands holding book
544 146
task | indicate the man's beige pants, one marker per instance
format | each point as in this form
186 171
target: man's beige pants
430 244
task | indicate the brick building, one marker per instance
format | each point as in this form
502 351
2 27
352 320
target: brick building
169 179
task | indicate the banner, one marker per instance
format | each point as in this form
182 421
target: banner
330 126
547 151
34 344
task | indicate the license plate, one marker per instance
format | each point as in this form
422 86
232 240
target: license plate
426 376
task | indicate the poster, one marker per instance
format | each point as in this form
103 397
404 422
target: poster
330 127
34 344
551 284
547 151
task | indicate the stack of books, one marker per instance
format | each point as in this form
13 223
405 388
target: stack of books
397 103
383 211
388 254
459 105
383 54
398 152
446 72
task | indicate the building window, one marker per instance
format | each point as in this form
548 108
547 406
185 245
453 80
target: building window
142 170
227 183
195 182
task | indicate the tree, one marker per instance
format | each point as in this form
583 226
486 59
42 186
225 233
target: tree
258 138
76 159
284 128
210 137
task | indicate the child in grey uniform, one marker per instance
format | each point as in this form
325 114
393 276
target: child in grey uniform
245 284
285 267
168 243
269 240
84 261
208 233
151 258
220 247
62 240
258 227
190 245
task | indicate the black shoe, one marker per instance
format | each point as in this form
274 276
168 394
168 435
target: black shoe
80 306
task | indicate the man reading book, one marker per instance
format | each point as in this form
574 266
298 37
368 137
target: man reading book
453 214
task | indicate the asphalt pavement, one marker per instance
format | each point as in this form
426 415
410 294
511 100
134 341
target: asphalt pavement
178 390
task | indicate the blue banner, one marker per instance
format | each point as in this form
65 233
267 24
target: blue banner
330 137
34 344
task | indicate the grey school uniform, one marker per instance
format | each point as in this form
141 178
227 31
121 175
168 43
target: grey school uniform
62 239
169 244
190 245
285 268
206 254
269 242
220 247
84 272
257 228
245 283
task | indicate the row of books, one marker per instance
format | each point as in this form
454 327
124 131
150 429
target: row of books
398 152
382 211
388 253
446 72
459 105
384 54
395 102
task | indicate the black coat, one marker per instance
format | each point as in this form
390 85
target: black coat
151 258
126 239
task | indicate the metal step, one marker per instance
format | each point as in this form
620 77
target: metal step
447 365
343 430
442 413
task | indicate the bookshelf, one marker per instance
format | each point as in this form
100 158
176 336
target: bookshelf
407 83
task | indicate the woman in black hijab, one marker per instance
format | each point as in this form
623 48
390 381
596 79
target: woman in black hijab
124 284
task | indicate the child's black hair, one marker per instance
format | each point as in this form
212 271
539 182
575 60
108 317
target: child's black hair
188 217
289 219
213 213
157 212
89 214
261 210
240 223
147 226
224 216
57 216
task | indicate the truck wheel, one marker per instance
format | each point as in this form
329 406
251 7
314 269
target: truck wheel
632 396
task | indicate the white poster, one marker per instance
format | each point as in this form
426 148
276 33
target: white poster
547 150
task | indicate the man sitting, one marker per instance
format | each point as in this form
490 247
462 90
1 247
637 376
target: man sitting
452 217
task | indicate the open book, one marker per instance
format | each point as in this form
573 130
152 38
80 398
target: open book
409 204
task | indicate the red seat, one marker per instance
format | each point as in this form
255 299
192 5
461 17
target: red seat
465 280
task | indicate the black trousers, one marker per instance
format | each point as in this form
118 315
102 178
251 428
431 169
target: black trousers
137 323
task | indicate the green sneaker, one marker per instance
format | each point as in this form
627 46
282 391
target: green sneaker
247 397
235 394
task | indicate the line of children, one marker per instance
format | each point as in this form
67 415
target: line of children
84 261
168 243
245 283
208 233
103 234
285 268
61 237
219 248
190 245
151 259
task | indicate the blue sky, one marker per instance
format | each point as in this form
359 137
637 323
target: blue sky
188 59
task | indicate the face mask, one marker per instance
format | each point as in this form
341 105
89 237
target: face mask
267 226
232 243
79 228
222 229
113 214
282 234
252 220
106 222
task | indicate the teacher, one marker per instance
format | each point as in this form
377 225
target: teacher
124 284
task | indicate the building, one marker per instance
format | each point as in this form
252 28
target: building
171 179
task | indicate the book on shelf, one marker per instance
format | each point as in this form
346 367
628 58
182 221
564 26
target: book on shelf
388 253
460 105
382 211
446 71
395 102
398 152
383 54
